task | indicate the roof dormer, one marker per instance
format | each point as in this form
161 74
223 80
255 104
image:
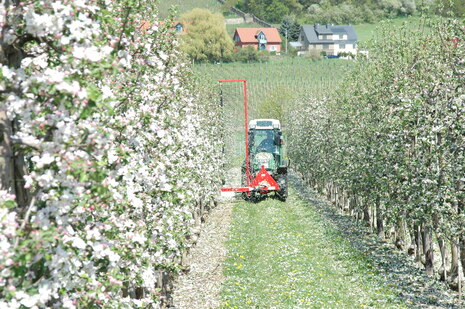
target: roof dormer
261 37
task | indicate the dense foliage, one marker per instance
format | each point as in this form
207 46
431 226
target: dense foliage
290 28
206 38
345 11
119 151
250 54
390 146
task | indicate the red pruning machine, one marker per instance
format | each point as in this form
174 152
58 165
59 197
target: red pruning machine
264 169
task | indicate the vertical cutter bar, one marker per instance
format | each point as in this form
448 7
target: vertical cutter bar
248 175
246 116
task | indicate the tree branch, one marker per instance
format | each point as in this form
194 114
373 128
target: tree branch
27 141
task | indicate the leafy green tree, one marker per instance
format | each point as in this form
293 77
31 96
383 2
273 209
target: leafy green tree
228 4
206 38
451 7
290 27
275 103
271 10
275 10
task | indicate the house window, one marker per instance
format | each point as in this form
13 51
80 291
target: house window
341 37
325 46
262 47
236 38
178 28
272 48
342 46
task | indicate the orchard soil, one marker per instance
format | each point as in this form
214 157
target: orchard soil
200 286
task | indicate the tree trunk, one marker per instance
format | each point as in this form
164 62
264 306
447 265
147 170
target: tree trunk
412 249
462 255
460 270
379 219
442 248
418 242
428 250
6 155
12 167
400 235
454 259
366 211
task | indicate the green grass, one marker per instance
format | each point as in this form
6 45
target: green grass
187 5
285 255
366 32
232 28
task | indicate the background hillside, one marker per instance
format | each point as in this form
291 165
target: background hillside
185 6
326 11
347 11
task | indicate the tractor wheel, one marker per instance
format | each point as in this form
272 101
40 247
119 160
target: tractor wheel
282 182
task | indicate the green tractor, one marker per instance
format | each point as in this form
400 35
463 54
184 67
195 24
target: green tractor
267 167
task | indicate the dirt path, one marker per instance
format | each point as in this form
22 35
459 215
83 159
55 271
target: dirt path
201 286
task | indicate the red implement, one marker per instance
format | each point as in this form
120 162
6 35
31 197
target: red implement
262 183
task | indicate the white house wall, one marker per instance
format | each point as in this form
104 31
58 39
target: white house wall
334 49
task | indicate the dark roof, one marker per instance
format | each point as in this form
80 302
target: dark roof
311 33
323 29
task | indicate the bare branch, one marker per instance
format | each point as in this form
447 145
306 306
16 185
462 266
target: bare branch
26 219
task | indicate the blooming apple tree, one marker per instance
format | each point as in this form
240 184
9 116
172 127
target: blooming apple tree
117 144
389 147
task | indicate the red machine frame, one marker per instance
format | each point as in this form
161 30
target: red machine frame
252 184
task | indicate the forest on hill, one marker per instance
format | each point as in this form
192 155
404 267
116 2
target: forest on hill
346 11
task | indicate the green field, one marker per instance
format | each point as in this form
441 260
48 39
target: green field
295 76
366 32
187 5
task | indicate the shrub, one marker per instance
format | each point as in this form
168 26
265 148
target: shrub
250 54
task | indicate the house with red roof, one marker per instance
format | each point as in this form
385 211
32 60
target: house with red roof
260 38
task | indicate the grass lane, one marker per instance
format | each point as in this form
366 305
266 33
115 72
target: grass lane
285 255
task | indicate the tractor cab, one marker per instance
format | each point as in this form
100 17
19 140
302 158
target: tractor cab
265 145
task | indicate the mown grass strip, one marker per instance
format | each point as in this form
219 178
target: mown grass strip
285 255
